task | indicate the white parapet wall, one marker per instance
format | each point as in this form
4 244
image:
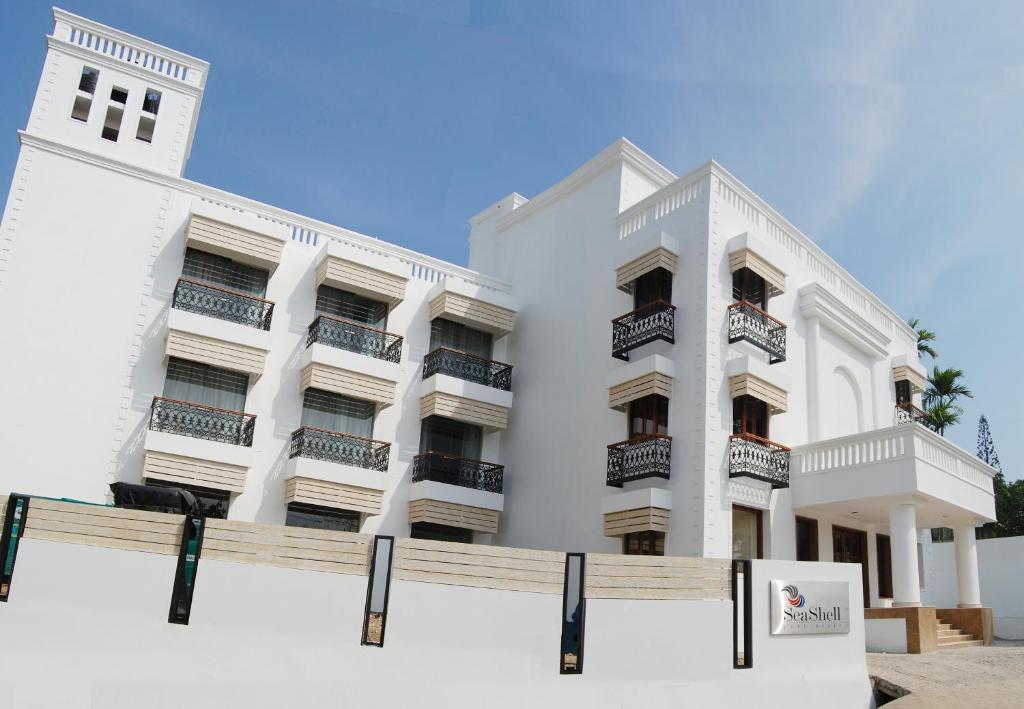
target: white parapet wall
87 625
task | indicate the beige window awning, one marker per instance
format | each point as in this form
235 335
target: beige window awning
472 312
481 413
193 471
659 257
750 385
645 519
620 395
218 353
453 515
361 279
347 383
746 258
916 379
324 493
233 242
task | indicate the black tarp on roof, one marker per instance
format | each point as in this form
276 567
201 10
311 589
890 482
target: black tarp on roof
157 499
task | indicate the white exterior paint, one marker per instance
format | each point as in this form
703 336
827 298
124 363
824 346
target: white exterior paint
886 635
92 349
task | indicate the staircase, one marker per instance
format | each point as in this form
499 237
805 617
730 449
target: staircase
950 637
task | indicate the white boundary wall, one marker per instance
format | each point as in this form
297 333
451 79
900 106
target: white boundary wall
86 627
1001 571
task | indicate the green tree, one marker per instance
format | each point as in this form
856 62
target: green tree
941 416
945 387
1009 497
925 338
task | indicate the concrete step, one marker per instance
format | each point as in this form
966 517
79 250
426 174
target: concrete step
961 643
944 626
950 634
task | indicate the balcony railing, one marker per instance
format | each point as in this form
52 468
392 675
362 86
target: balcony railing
755 457
748 322
198 421
453 470
650 322
640 457
355 337
343 448
908 413
223 304
467 367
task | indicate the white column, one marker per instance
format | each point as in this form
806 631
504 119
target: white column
813 380
906 584
966 548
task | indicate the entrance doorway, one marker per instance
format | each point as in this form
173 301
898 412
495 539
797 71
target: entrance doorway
850 546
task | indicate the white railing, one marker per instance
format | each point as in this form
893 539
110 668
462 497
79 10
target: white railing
662 203
907 441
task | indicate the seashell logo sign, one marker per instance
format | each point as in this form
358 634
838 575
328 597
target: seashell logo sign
810 607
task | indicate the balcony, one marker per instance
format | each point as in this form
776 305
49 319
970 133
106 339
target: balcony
640 457
216 302
748 322
184 418
650 322
908 413
469 368
341 448
758 458
355 337
453 470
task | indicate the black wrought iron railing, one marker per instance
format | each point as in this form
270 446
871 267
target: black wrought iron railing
908 413
334 447
467 367
223 304
198 421
748 322
755 457
355 337
650 322
453 470
640 457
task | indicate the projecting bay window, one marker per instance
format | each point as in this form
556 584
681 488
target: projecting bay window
751 453
203 401
652 317
317 517
339 429
212 503
647 452
450 452
355 323
463 352
221 288
644 543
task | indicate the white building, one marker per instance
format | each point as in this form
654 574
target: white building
692 375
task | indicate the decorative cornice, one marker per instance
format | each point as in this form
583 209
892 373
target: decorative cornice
264 211
816 302
621 151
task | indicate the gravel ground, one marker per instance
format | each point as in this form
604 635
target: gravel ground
973 677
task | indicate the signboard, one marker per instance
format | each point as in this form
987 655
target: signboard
810 607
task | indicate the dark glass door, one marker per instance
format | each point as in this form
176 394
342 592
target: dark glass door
850 546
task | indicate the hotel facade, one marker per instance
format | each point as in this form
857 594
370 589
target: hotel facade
634 361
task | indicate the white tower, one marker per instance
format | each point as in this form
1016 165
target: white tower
111 93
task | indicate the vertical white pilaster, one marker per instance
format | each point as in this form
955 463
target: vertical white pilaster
813 380
906 585
966 549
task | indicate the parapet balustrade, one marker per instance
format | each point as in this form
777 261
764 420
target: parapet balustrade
355 337
454 470
647 456
755 457
908 413
199 421
223 304
650 322
467 367
344 448
748 322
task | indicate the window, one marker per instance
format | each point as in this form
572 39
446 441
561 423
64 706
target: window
750 415
806 539
903 392
86 85
884 560
748 286
746 533
316 517
442 435
212 503
147 121
202 384
119 95
652 286
644 543
223 272
334 412
441 532
112 123
151 101
342 304
456 336
648 415
942 534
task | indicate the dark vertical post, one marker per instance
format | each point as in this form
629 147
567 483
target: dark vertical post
741 567
188 566
378 590
14 530
574 611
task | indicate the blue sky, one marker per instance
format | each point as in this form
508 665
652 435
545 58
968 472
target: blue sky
890 132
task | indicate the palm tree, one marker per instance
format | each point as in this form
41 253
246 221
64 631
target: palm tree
945 387
942 415
925 338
